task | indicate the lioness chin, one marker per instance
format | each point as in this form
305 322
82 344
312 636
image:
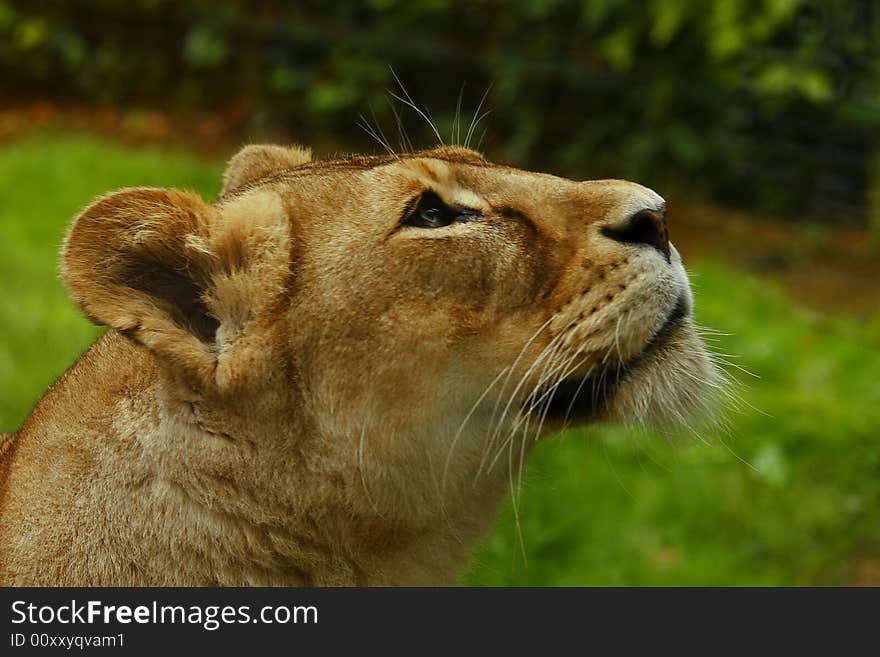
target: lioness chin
330 375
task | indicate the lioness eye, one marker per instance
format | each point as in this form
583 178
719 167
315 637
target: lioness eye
433 218
431 212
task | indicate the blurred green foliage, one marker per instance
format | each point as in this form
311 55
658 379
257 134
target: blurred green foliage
789 493
773 104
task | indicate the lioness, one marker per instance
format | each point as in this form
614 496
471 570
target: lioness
331 375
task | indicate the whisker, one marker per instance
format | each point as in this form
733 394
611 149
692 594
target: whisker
456 122
539 359
537 434
404 140
360 456
529 342
365 125
525 416
470 132
482 136
409 101
461 427
381 132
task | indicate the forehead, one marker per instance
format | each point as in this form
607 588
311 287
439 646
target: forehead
455 173
433 161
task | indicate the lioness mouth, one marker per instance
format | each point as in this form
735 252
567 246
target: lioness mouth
583 398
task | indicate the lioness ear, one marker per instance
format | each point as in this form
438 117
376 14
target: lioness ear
259 160
178 275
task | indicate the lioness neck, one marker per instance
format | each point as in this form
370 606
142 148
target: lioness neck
163 487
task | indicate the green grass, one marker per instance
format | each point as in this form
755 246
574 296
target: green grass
790 494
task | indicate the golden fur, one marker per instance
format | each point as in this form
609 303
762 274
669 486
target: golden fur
298 388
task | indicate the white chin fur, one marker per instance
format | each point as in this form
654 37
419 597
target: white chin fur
673 384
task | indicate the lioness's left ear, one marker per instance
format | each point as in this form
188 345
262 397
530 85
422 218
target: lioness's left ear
260 160
180 276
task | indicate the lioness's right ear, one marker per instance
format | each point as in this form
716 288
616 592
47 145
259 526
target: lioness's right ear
257 161
134 261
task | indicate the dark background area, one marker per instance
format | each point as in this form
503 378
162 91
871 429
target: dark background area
770 105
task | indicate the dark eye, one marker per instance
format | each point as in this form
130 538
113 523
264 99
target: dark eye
431 212
432 217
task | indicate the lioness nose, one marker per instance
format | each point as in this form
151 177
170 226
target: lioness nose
644 227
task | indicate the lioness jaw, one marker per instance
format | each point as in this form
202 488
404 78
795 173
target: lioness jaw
330 374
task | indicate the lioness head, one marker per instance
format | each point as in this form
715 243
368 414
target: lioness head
399 328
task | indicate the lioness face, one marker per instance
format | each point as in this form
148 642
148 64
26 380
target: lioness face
431 313
432 276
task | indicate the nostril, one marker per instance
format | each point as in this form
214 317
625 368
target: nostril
644 227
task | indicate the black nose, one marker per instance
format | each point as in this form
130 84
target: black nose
644 227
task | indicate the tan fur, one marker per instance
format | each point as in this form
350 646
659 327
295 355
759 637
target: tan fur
260 160
297 389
